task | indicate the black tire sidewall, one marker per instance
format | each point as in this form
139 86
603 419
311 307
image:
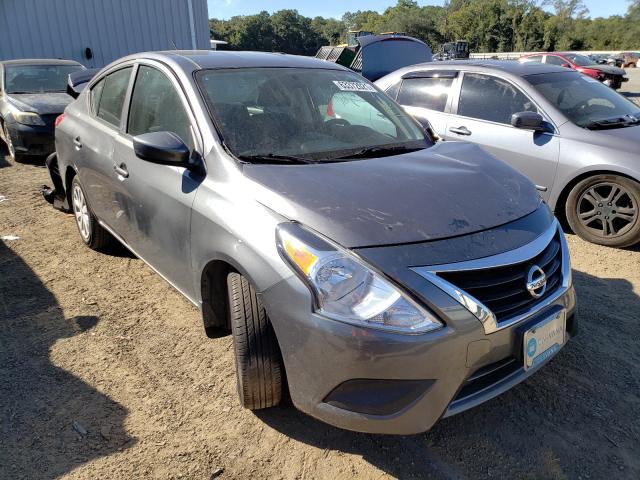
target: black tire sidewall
632 187
259 366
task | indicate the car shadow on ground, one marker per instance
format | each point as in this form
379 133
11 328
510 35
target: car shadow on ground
50 421
571 419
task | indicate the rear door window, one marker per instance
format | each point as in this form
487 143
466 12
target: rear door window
431 93
112 96
156 106
532 59
490 98
553 60
96 91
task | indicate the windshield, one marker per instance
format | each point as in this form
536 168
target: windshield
306 114
584 100
579 60
37 78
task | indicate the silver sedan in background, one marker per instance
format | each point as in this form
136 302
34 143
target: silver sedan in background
576 139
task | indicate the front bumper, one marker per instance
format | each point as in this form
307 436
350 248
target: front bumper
432 371
379 382
31 139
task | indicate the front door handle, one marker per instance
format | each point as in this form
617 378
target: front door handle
121 170
460 131
77 143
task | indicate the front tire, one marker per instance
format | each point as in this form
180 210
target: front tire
605 209
91 232
259 367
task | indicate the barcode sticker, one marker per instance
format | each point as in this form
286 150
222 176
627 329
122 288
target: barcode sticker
354 86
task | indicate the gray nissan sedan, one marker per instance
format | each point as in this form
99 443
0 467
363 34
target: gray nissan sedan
382 280
576 139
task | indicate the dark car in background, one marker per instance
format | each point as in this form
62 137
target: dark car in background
630 59
32 95
611 76
607 59
576 139
383 280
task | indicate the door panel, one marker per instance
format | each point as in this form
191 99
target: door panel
95 142
154 212
153 200
96 172
484 108
533 154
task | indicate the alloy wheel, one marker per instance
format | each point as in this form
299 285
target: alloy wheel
81 212
607 209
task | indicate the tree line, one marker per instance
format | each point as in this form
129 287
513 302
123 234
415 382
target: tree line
488 26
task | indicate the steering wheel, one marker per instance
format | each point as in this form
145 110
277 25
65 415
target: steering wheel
338 122
580 106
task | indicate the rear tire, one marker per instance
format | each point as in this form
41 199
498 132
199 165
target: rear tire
91 232
259 368
605 209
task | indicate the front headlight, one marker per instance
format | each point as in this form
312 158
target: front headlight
28 118
346 289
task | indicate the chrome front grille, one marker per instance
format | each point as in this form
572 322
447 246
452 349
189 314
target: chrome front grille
497 289
503 289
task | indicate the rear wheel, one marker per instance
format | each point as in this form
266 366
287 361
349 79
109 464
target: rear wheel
259 368
91 232
605 209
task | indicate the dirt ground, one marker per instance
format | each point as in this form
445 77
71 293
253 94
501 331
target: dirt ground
105 372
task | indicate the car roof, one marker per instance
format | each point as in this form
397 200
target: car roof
509 66
207 59
39 61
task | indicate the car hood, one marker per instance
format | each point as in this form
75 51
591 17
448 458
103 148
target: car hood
41 103
610 69
627 138
451 189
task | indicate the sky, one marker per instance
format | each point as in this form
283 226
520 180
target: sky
335 8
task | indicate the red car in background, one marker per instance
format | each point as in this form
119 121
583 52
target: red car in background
607 74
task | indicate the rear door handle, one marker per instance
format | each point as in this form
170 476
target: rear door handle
121 170
460 131
77 143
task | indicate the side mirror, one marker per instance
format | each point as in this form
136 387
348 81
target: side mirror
162 147
566 65
530 121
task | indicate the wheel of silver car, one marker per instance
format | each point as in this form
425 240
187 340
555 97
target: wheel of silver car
90 230
259 367
605 209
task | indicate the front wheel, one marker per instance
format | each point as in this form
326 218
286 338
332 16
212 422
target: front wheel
259 367
605 209
91 232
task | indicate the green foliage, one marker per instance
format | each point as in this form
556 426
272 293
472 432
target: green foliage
488 26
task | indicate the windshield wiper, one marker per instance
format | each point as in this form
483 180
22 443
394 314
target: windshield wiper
274 158
613 122
381 151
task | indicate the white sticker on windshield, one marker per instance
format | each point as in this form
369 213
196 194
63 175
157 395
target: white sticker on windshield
354 86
